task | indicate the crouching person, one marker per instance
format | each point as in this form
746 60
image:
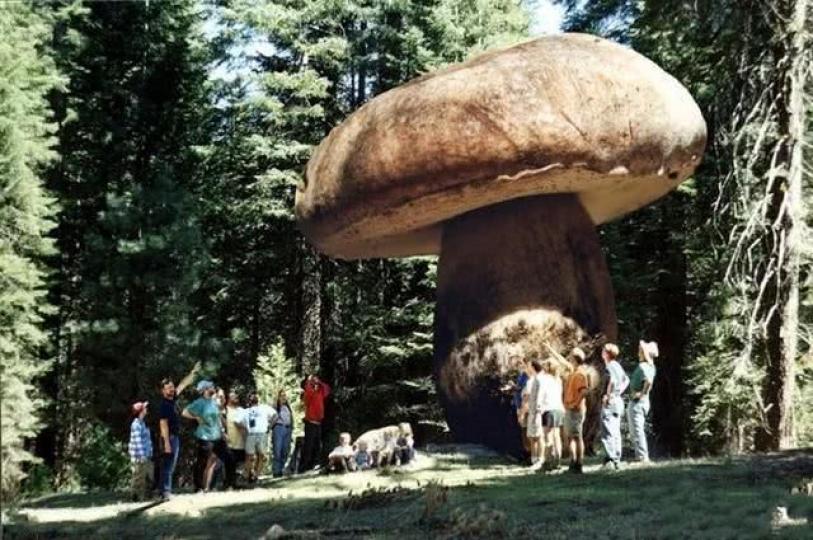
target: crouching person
341 459
140 450
364 460
404 445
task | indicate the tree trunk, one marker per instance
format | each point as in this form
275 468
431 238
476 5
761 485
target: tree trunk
514 279
671 320
785 217
310 341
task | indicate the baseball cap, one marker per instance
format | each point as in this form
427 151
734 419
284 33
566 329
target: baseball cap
204 385
138 406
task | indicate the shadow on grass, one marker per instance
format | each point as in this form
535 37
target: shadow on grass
718 499
78 500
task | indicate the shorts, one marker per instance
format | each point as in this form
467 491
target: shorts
534 429
256 443
552 419
574 423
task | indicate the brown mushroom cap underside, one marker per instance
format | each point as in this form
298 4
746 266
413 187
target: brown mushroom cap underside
561 114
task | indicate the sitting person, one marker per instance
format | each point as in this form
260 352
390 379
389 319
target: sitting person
404 444
341 458
364 460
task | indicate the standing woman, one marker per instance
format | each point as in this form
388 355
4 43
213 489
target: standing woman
208 435
640 386
281 433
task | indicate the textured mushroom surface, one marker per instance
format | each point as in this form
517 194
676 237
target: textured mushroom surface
562 114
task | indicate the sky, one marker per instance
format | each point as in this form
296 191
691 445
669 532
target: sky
546 18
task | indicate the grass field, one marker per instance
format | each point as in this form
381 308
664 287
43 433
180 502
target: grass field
458 496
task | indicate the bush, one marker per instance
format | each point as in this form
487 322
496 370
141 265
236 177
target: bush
104 462
39 480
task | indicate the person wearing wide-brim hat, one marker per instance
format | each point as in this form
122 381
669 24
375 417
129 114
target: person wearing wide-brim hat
640 387
140 450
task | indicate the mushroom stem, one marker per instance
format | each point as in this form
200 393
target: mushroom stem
512 278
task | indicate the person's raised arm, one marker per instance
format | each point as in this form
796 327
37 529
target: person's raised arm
560 360
186 381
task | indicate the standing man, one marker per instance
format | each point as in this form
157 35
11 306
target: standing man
612 405
575 408
258 418
315 391
169 423
235 438
640 386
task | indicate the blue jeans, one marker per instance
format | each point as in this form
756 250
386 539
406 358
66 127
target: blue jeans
281 438
611 428
637 424
168 462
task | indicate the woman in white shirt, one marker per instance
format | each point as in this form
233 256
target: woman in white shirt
553 412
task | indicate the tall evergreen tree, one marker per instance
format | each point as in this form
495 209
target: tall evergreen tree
27 74
131 252
744 210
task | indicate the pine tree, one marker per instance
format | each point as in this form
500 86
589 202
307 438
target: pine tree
131 253
27 74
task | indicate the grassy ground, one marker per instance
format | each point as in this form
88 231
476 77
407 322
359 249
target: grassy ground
455 496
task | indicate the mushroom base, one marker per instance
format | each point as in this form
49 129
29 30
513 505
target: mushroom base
512 279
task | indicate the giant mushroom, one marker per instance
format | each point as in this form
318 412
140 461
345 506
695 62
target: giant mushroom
503 166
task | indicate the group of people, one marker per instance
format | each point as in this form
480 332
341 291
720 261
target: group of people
226 435
551 395
391 445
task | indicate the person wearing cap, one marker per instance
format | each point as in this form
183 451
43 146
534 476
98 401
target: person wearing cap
640 386
575 401
612 405
140 450
258 419
169 423
208 434
314 393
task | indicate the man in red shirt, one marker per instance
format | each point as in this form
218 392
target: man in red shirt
315 391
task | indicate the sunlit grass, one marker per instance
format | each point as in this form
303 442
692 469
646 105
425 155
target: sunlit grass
676 499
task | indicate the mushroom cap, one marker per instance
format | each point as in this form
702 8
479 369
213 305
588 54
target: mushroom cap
571 113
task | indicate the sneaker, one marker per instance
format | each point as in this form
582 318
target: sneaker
166 497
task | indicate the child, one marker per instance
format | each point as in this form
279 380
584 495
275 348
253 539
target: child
386 455
404 450
364 460
340 458
140 449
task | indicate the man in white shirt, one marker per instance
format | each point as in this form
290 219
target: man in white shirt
258 419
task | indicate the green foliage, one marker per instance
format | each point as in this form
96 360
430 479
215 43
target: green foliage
275 372
104 463
131 253
27 74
